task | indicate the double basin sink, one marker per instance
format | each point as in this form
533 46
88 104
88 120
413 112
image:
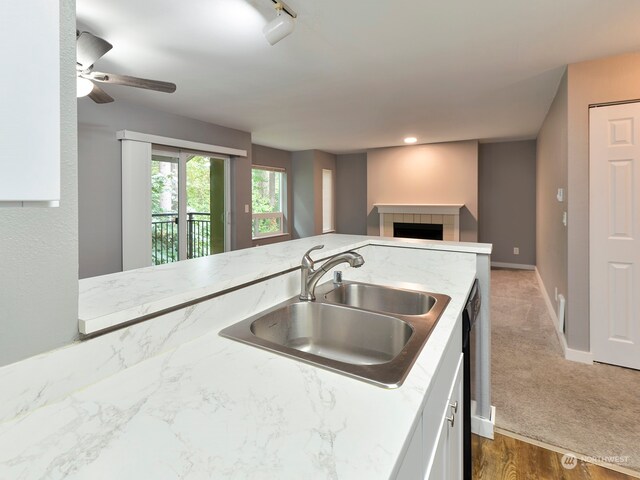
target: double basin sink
369 332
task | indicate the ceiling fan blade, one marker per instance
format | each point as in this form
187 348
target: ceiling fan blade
90 48
145 83
98 95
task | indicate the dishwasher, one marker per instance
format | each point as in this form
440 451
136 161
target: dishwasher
469 317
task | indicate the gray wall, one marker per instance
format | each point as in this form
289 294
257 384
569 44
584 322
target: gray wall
434 173
99 172
351 194
273 157
307 190
507 200
598 81
303 196
39 267
551 174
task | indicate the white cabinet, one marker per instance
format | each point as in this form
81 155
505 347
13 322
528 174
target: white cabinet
30 110
435 451
446 463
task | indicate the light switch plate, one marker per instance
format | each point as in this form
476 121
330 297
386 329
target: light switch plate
564 218
560 195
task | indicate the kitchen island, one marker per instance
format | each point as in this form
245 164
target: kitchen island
170 398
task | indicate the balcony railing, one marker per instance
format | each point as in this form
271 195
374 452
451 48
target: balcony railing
164 236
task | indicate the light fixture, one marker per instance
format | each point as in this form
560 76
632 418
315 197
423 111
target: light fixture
410 140
281 26
83 87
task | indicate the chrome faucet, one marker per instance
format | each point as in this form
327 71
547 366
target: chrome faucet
310 276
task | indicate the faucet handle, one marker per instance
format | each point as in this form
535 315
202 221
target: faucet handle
306 259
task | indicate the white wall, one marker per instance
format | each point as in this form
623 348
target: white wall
39 246
434 173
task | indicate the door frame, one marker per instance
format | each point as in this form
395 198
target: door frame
137 152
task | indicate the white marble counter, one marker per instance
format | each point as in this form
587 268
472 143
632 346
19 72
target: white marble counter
118 298
215 408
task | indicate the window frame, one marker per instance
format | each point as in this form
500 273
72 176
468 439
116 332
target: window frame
281 215
332 200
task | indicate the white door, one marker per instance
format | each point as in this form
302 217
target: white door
614 218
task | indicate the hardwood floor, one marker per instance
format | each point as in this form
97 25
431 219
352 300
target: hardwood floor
507 458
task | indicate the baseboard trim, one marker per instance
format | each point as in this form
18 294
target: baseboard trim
579 356
557 449
516 266
483 426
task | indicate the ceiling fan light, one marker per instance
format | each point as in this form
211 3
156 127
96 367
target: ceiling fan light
83 87
279 27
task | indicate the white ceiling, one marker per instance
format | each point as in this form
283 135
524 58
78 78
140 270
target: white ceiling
359 74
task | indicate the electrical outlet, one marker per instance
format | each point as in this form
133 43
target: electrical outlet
246 208
516 251
564 218
556 294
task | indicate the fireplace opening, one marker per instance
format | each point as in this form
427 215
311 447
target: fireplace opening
424 231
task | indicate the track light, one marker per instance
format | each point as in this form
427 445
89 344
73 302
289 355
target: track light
281 26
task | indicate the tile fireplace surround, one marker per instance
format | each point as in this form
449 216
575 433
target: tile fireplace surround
446 215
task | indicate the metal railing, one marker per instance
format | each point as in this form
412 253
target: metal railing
164 236
198 234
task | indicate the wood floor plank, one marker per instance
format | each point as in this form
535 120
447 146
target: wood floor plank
507 458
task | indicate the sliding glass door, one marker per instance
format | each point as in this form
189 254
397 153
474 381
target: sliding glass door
189 193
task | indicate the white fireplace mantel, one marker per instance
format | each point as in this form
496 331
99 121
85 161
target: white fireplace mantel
421 208
446 214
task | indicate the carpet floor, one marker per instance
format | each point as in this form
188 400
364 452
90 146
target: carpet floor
592 410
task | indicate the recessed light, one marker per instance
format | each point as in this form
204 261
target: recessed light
410 140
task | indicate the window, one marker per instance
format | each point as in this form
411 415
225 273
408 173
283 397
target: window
187 205
327 201
268 194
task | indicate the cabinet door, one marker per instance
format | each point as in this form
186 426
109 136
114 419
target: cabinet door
411 467
446 462
30 111
454 441
439 465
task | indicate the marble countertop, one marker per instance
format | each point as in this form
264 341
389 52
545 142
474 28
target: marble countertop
115 299
215 408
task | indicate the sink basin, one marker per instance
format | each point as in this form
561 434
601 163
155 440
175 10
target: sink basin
381 299
343 334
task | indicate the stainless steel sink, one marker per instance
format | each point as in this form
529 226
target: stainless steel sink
381 299
351 339
338 333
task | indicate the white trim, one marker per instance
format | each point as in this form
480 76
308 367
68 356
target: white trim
427 209
175 142
30 203
136 205
517 266
483 426
258 216
574 355
275 235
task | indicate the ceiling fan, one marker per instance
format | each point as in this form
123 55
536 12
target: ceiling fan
89 49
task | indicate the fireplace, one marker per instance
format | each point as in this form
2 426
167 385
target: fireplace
424 231
416 219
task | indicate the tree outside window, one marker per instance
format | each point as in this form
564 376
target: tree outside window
267 197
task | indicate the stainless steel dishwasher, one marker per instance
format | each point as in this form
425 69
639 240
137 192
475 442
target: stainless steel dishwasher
469 327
